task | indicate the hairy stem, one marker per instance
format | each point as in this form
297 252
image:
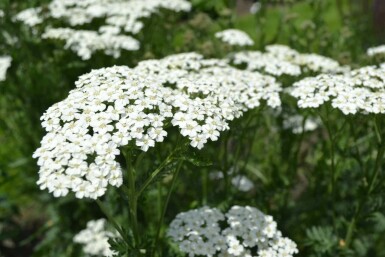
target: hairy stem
331 145
154 174
158 233
133 199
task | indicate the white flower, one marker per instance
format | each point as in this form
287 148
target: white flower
95 239
118 17
124 14
5 63
378 50
234 246
85 42
246 232
234 37
30 17
281 60
112 107
361 90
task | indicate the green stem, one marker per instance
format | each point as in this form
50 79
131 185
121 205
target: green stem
154 174
249 150
158 233
331 145
376 171
111 220
133 200
205 183
293 165
355 145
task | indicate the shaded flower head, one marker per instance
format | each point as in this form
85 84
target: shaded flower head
359 91
242 231
95 237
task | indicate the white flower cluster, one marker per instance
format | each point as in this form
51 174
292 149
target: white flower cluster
95 239
30 17
214 77
118 15
1 13
265 62
234 37
242 231
378 50
114 107
85 42
281 60
296 124
5 63
361 90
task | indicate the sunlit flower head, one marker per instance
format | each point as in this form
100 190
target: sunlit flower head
377 50
118 106
234 37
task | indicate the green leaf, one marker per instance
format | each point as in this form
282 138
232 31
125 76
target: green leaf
379 221
321 239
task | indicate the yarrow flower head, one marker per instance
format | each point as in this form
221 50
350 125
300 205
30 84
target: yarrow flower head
123 14
235 37
242 231
5 63
95 239
360 91
281 60
86 42
119 17
119 106
377 50
191 73
30 17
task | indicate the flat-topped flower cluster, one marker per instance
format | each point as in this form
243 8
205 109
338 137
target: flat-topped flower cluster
377 50
234 37
118 13
5 63
119 17
119 106
281 60
242 231
86 42
95 238
360 91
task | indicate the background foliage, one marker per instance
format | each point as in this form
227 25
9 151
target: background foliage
289 171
